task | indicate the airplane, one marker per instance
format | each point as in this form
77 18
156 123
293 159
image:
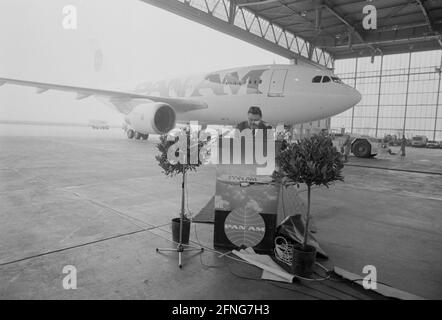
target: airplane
286 94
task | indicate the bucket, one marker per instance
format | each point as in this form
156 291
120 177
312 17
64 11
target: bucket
303 261
176 230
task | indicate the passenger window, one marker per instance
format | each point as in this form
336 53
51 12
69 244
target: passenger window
326 79
317 79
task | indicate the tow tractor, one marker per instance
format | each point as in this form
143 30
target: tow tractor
361 146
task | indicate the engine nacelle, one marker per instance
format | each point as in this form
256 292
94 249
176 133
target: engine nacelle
152 118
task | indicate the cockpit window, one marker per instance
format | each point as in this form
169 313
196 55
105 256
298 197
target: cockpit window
326 79
337 80
317 79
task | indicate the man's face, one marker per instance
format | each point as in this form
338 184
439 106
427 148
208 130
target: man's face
254 120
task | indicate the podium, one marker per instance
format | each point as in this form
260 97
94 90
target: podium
246 208
246 198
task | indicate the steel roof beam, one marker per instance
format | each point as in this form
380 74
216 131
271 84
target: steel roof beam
394 27
279 6
428 18
394 9
389 42
426 14
255 3
232 11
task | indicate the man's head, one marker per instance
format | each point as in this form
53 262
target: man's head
255 116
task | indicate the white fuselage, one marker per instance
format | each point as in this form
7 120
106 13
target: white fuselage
285 93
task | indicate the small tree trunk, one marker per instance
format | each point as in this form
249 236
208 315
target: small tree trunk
307 219
182 207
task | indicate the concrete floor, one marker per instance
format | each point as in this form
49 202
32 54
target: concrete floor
95 200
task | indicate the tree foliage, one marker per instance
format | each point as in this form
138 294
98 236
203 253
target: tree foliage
313 161
193 146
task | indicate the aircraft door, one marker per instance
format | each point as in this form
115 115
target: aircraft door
277 82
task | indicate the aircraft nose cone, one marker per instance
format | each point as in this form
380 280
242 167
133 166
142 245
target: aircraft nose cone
351 98
356 96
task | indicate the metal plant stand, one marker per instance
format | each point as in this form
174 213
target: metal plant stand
181 247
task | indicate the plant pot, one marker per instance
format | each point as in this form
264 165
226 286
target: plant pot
303 261
176 230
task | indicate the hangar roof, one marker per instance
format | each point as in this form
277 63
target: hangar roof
336 25
319 31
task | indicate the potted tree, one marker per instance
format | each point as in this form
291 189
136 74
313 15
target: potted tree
311 161
187 151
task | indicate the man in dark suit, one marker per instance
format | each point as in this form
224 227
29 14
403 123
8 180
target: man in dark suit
254 121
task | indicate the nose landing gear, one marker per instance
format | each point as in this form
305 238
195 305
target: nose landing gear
131 134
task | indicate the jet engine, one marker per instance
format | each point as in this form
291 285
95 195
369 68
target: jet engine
152 118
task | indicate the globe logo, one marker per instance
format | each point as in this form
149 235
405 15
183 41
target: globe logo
244 227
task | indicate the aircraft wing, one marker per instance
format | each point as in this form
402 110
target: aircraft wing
118 98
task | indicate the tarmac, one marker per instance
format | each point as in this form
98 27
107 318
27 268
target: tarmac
99 202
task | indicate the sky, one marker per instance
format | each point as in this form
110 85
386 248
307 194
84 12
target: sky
134 41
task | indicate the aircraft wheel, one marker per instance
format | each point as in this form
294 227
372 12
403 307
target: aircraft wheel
362 149
145 136
130 133
137 135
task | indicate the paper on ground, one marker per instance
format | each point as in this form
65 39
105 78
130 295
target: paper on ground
385 290
271 270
